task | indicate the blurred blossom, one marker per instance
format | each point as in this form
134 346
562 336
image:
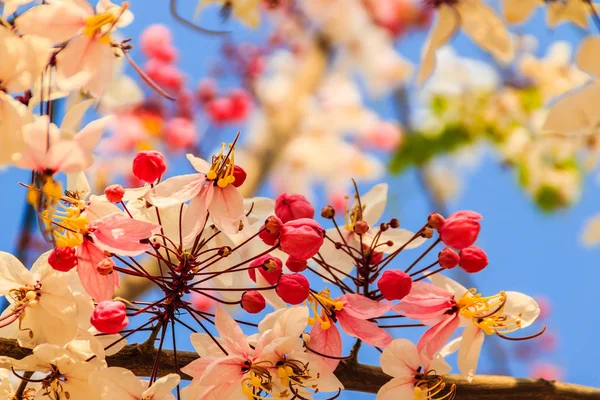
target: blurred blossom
547 371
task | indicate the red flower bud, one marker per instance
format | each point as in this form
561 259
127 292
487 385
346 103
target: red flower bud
394 284
301 238
253 302
460 229
448 258
473 259
63 259
207 90
270 233
293 288
296 265
114 193
202 303
435 220
149 165
268 266
240 176
293 206
109 316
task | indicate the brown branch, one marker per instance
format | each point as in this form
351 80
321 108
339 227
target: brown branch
356 377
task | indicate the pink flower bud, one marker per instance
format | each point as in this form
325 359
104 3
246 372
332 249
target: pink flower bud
109 316
460 229
149 165
383 135
270 230
63 259
202 303
293 206
295 265
207 90
253 302
240 176
547 371
241 104
473 259
268 266
165 75
293 288
154 39
301 238
448 258
114 193
180 133
394 284
220 110
435 220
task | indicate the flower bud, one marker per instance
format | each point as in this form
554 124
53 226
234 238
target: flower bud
427 233
361 227
63 259
109 316
202 303
149 165
328 212
293 288
448 258
435 220
114 193
296 265
394 223
394 284
253 302
105 267
301 238
473 259
207 90
270 233
460 229
268 266
293 206
240 176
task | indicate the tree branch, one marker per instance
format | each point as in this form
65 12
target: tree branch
355 376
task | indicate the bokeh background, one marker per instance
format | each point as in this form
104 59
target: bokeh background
529 250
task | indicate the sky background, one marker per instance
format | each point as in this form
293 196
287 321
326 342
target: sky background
529 251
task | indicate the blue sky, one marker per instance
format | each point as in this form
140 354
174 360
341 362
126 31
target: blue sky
529 251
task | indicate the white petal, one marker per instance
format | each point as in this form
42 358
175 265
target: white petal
524 306
470 349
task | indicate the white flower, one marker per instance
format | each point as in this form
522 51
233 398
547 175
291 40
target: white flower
41 303
120 383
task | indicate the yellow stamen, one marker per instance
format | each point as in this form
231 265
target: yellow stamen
102 23
222 167
329 306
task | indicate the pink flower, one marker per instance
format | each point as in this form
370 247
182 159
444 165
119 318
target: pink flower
63 259
253 302
114 193
149 165
432 306
473 259
352 312
210 191
293 206
382 135
460 229
109 316
394 284
120 234
293 288
301 238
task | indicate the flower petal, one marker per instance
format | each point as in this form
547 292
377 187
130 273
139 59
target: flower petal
120 234
364 308
470 348
328 342
442 30
367 331
400 358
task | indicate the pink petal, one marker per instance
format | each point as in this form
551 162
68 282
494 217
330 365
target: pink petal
196 368
176 190
194 218
361 307
234 339
326 341
120 234
59 21
227 209
367 331
100 287
400 358
397 389
90 135
223 370
436 337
